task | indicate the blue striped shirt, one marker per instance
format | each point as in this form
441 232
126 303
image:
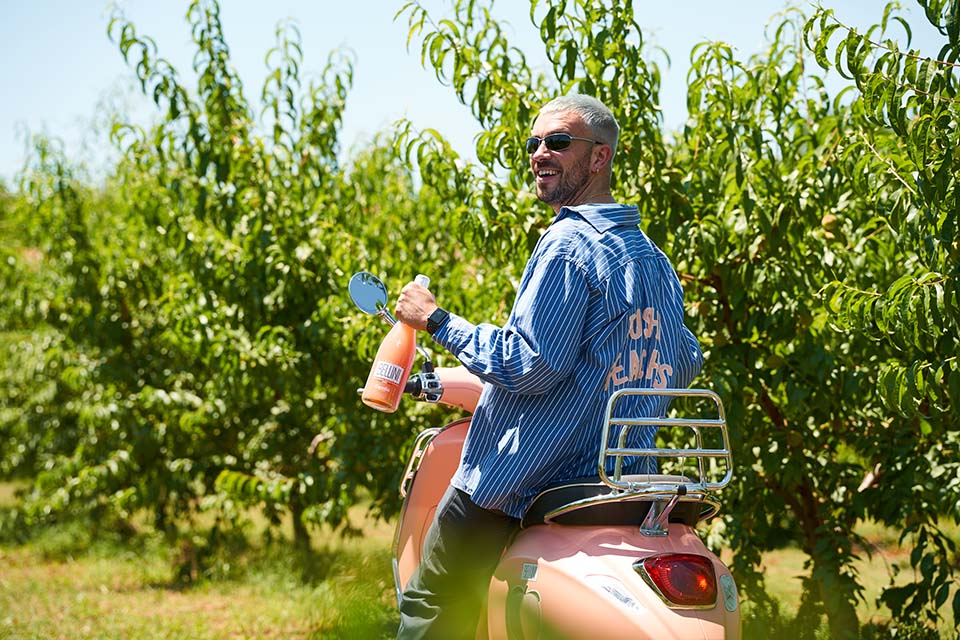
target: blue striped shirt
599 308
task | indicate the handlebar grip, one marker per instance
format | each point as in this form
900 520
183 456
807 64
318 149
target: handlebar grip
414 386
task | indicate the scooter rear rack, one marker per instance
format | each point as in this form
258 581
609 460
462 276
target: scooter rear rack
697 425
660 494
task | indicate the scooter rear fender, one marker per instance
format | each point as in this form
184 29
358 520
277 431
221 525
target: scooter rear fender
562 581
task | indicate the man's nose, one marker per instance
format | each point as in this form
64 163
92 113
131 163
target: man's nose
541 150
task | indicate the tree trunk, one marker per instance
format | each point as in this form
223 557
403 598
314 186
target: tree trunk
841 614
301 536
836 590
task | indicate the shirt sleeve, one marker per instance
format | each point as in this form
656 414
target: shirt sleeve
538 346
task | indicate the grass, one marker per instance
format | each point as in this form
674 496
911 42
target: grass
783 570
134 597
86 581
882 563
79 581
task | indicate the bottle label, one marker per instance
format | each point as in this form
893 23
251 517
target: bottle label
388 371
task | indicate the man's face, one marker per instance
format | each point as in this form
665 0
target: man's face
563 176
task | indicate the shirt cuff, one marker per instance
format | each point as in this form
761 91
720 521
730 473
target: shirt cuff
454 334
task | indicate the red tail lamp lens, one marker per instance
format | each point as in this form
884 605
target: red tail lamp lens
685 579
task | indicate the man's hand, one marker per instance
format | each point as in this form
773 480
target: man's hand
415 305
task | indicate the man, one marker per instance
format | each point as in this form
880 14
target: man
599 308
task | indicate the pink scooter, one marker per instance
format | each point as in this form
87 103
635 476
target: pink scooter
612 556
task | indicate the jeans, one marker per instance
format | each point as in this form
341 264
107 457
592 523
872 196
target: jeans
445 594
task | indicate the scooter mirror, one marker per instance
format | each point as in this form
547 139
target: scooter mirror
368 292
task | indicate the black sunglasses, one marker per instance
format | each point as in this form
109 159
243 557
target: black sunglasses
554 142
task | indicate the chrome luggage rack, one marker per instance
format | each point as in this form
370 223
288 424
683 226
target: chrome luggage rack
661 492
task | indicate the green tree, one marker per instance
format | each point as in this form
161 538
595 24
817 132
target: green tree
902 164
207 351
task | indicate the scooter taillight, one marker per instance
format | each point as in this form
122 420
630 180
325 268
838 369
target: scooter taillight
681 579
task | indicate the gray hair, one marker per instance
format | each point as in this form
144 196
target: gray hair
594 113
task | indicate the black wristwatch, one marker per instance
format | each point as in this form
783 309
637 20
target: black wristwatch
437 318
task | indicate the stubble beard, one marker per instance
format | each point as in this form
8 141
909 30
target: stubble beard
571 183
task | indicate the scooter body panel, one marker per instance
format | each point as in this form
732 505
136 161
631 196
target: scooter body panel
437 465
564 581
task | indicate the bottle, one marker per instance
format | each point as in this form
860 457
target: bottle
391 368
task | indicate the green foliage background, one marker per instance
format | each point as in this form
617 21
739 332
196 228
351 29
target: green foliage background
178 337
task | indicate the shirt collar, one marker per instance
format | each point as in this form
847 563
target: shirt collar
604 217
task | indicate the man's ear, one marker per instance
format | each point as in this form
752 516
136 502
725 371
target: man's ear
602 153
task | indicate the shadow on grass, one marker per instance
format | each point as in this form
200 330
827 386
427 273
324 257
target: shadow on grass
769 621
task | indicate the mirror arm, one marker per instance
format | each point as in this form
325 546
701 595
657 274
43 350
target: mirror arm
427 363
384 313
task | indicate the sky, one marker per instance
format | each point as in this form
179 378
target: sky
60 73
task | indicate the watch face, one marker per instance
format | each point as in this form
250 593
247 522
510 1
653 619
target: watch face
435 320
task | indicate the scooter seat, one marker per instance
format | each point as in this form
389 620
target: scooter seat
621 509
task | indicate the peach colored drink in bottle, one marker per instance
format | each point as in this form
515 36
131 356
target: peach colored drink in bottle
392 366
